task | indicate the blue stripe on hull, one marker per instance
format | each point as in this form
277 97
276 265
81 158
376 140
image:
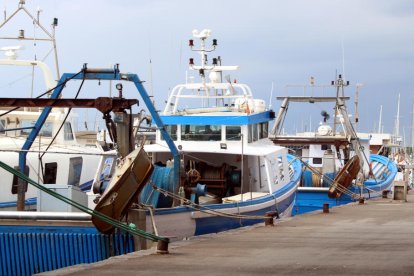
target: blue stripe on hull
217 224
308 201
214 224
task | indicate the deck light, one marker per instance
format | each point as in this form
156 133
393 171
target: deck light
119 87
55 22
21 33
214 42
223 146
191 43
191 61
214 61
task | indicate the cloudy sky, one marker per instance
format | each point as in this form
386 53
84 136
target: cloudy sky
280 42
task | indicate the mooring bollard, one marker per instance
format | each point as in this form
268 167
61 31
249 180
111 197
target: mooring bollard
385 193
162 247
269 218
361 201
326 208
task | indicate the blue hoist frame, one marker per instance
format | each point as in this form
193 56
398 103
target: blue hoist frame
102 74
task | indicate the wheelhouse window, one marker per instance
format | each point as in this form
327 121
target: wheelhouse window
67 130
201 133
172 131
233 133
255 133
2 126
324 147
50 172
317 160
46 130
263 130
75 170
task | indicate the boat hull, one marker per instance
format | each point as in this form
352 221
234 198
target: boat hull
184 221
311 199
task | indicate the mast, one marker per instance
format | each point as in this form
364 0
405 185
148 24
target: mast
397 120
380 121
358 86
48 36
412 133
21 187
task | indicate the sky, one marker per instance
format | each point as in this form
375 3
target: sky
275 43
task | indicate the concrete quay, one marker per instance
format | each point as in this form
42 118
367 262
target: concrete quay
376 238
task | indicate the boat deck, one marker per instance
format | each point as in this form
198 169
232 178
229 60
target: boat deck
376 238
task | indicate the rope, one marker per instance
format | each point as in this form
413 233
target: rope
131 228
201 208
332 182
58 152
47 92
64 120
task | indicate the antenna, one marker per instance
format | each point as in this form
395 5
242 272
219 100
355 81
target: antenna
380 121
358 87
271 96
343 57
412 132
397 120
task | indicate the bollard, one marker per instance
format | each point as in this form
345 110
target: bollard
162 247
385 193
326 208
269 218
361 201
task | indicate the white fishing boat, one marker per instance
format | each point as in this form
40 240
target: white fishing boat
331 152
231 175
53 157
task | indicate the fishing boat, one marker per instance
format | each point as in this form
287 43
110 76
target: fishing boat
340 167
52 156
230 174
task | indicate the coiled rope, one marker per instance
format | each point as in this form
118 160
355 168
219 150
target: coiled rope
339 187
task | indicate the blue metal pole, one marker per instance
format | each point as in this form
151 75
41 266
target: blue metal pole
176 155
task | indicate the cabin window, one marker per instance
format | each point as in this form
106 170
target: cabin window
16 180
2 126
201 133
280 165
67 130
255 133
50 172
252 133
233 133
75 170
172 131
324 147
263 130
317 161
45 131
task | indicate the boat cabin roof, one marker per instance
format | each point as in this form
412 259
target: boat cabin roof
218 118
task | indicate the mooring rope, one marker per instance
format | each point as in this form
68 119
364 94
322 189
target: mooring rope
131 228
201 208
332 182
